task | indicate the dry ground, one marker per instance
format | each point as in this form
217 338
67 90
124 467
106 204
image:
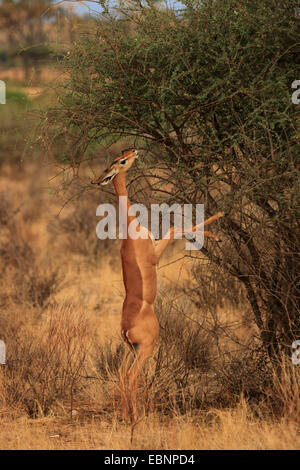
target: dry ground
232 429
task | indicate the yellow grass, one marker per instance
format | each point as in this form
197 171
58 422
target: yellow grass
233 429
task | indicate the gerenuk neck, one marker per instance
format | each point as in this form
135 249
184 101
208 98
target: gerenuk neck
119 183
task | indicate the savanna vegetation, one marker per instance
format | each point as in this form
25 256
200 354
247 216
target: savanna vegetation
204 93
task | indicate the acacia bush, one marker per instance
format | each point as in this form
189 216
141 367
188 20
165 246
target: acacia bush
207 95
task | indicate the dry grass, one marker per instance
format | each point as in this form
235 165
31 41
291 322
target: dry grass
231 429
207 386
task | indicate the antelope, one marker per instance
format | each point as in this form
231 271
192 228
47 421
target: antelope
140 257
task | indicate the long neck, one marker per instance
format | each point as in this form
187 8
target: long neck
119 183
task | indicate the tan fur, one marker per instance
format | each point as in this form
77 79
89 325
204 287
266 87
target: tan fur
139 324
